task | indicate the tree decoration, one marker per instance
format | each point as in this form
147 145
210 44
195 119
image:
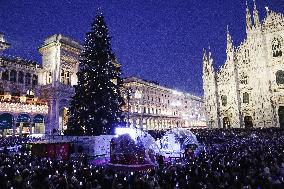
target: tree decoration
96 107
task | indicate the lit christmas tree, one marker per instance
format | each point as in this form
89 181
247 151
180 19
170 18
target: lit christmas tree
96 107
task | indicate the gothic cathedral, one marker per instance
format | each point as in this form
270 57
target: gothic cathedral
248 90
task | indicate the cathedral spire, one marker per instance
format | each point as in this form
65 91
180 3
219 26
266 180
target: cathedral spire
210 60
205 63
204 55
229 50
255 15
209 53
229 40
3 44
248 17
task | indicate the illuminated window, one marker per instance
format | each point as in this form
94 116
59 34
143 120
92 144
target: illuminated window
138 94
30 93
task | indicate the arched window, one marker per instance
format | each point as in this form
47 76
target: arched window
5 75
279 77
28 79
6 121
35 79
246 98
224 100
21 77
246 59
13 76
276 47
244 79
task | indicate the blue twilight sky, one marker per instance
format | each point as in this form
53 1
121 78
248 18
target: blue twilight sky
159 40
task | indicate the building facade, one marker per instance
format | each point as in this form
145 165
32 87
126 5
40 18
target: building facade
150 106
34 98
248 90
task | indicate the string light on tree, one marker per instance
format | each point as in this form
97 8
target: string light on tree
96 107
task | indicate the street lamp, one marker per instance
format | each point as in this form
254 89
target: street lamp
128 93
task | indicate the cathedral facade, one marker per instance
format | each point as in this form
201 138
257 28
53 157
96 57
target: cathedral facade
248 90
34 98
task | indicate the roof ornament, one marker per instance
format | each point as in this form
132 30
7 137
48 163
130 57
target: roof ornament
267 9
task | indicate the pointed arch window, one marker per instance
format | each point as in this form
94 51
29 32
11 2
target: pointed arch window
246 57
277 47
280 77
224 100
245 98
246 53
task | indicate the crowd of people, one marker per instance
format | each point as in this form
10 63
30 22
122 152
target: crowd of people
234 159
11 141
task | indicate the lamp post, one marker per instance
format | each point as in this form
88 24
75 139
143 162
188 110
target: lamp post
128 106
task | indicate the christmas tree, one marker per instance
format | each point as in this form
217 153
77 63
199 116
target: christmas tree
96 107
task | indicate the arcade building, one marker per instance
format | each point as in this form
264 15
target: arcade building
34 98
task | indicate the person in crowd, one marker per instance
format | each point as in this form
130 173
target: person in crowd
233 159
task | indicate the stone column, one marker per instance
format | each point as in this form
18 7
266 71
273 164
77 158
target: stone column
53 114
